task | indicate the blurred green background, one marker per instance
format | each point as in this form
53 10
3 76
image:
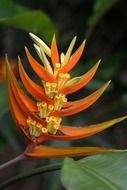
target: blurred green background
103 24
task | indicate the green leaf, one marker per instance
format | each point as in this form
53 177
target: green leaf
8 9
7 132
99 9
108 68
35 21
29 20
5 121
3 98
100 172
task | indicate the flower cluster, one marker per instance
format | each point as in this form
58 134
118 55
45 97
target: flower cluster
40 117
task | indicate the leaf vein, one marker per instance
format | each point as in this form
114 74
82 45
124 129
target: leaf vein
100 177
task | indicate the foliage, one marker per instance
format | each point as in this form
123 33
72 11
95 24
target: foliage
26 19
107 171
99 9
3 98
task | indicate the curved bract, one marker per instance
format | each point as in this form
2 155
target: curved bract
40 117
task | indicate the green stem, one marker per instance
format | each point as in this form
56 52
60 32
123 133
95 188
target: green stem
90 30
13 161
36 171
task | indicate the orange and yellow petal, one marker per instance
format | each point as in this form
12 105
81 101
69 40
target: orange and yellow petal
21 106
83 132
35 90
74 133
39 70
41 44
54 52
17 114
71 88
14 67
79 105
73 60
53 152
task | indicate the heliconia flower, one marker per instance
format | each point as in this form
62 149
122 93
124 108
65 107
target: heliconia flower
3 69
40 117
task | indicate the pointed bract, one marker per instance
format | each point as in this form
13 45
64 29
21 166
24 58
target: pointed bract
73 59
35 90
17 114
68 53
49 152
84 80
39 70
83 132
40 43
54 52
79 105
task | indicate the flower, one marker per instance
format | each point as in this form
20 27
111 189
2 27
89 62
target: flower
40 117
3 69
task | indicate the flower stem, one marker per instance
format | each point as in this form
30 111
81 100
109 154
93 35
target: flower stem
13 161
33 172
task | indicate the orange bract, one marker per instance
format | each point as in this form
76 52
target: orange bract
54 52
73 59
13 64
40 118
82 82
